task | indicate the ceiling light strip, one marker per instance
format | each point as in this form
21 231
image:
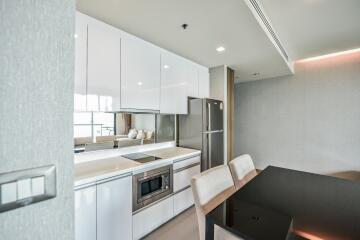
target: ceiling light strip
336 54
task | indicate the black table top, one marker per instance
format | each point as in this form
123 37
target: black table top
320 206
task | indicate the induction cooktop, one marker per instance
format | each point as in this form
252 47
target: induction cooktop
140 157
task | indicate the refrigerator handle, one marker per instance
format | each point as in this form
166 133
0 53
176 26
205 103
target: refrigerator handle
209 149
209 116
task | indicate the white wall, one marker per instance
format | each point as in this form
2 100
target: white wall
309 121
36 108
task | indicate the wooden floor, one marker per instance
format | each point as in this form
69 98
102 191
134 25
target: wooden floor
182 227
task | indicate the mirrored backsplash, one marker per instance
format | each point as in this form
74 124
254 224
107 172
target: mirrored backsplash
97 130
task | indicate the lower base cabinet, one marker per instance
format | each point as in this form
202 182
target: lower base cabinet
183 200
114 209
85 213
152 217
104 211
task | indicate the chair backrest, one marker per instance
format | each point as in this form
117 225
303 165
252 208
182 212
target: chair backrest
242 169
210 188
99 146
105 138
82 140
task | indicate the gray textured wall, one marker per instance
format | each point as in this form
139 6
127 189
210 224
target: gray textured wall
309 121
36 105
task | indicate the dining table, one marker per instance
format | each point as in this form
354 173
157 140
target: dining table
281 203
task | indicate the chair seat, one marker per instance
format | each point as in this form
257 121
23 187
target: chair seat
222 234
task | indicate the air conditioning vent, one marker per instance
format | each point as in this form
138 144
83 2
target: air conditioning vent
268 26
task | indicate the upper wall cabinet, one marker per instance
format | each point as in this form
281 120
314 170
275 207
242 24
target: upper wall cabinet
115 71
80 62
140 74
179 80
103 86
204 83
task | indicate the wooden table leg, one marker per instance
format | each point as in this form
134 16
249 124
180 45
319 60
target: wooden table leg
209 229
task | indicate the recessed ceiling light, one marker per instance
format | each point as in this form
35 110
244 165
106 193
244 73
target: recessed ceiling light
220 49
139 83
166 66
75 35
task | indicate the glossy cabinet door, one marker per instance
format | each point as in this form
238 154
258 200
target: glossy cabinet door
178 82
152 217
114 209
80 62
103 86
183 200
204 82
140 74
182 179
85 213
192 79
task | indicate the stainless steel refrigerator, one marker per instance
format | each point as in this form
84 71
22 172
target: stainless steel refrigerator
203 129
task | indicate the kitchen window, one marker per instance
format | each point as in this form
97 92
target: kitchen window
92 124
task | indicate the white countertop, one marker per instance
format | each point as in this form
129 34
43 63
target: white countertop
100 165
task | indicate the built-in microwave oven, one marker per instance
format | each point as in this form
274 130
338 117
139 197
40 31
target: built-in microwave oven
151 186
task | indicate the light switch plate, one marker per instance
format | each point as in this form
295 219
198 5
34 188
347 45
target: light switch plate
23 189
31 186
37 186
8 192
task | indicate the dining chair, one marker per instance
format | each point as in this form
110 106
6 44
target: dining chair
109 138
242 170
210 188
82 140
99 146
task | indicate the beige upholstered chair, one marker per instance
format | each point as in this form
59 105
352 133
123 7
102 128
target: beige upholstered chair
210 188
105 138
98 146
82 140
242 169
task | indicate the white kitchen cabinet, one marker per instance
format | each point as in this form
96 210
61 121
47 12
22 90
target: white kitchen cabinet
192 81
115 70
204 82
184 170
183 177
183 163
114 209
85 213
179 80
183 200
103 85
140 74
80 62
152 217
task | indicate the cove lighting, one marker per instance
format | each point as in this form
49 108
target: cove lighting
308 235
329 55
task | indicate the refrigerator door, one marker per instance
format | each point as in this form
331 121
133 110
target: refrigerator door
213 115
213 150
191 126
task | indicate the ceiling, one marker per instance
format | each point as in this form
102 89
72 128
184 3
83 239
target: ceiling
309 28
305 28
211 23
